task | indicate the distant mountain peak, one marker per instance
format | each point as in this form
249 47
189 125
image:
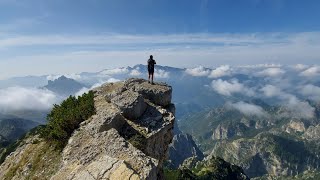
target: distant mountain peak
64 86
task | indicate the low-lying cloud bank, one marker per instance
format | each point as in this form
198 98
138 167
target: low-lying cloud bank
297 107
20 98
291 86
229 88
248 109
198 71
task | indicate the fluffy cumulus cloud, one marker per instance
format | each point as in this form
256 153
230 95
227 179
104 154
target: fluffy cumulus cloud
20 98
162 74
115 71
271 91
311 91
300 67
311 71
198 71
248 109
296 106
271 72
224 70
228 88
299 108
135 72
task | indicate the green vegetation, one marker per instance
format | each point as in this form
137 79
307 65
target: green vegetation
66 117
138 141
45 152
36 157
214 168
13 146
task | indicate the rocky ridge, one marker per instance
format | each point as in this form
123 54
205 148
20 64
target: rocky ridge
127 138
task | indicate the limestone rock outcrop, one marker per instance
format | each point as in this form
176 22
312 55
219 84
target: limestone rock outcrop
127 138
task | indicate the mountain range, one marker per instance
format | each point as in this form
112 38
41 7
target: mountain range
225 111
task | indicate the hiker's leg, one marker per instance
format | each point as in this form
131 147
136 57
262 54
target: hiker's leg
152 76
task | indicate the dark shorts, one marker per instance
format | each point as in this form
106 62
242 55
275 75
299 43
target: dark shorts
150 71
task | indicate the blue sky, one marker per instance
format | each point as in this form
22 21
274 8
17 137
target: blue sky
58 36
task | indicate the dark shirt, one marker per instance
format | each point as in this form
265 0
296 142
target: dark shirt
151 63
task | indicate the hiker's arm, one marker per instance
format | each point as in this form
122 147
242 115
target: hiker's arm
155 62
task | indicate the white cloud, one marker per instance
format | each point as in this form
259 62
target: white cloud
115 71
310 72
237 49
198 71
20 98
248 109
300 67
271 72
228 88
311 91
271 91
159 73
223 70
296 107
135 72
300 108
256 66
71 76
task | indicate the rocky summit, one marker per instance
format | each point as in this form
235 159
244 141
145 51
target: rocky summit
127 138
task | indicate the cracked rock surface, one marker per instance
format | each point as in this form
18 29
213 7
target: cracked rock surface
102 148
127 138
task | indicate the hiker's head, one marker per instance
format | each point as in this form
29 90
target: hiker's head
151 57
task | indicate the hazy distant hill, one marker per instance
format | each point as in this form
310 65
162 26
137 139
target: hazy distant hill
64 86
13 128
26 81
3 141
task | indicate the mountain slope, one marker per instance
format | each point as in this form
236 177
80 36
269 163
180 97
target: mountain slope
274 144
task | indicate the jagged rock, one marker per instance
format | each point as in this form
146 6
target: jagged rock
190 162
159 93
130 103
294 126
103 156
127 138
182 148
312 133
124 111
209 168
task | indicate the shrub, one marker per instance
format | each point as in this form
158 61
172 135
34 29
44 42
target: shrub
66 117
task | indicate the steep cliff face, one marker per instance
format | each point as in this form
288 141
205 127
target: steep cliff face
273 153
127 138
275 144
183 147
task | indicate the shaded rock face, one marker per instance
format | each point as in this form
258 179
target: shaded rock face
270 154
182 148
128 137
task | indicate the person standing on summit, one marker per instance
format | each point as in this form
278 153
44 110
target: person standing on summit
151 63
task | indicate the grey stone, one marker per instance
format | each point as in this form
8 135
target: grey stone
130 103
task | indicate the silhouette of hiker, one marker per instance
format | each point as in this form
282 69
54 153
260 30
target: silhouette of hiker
151 63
